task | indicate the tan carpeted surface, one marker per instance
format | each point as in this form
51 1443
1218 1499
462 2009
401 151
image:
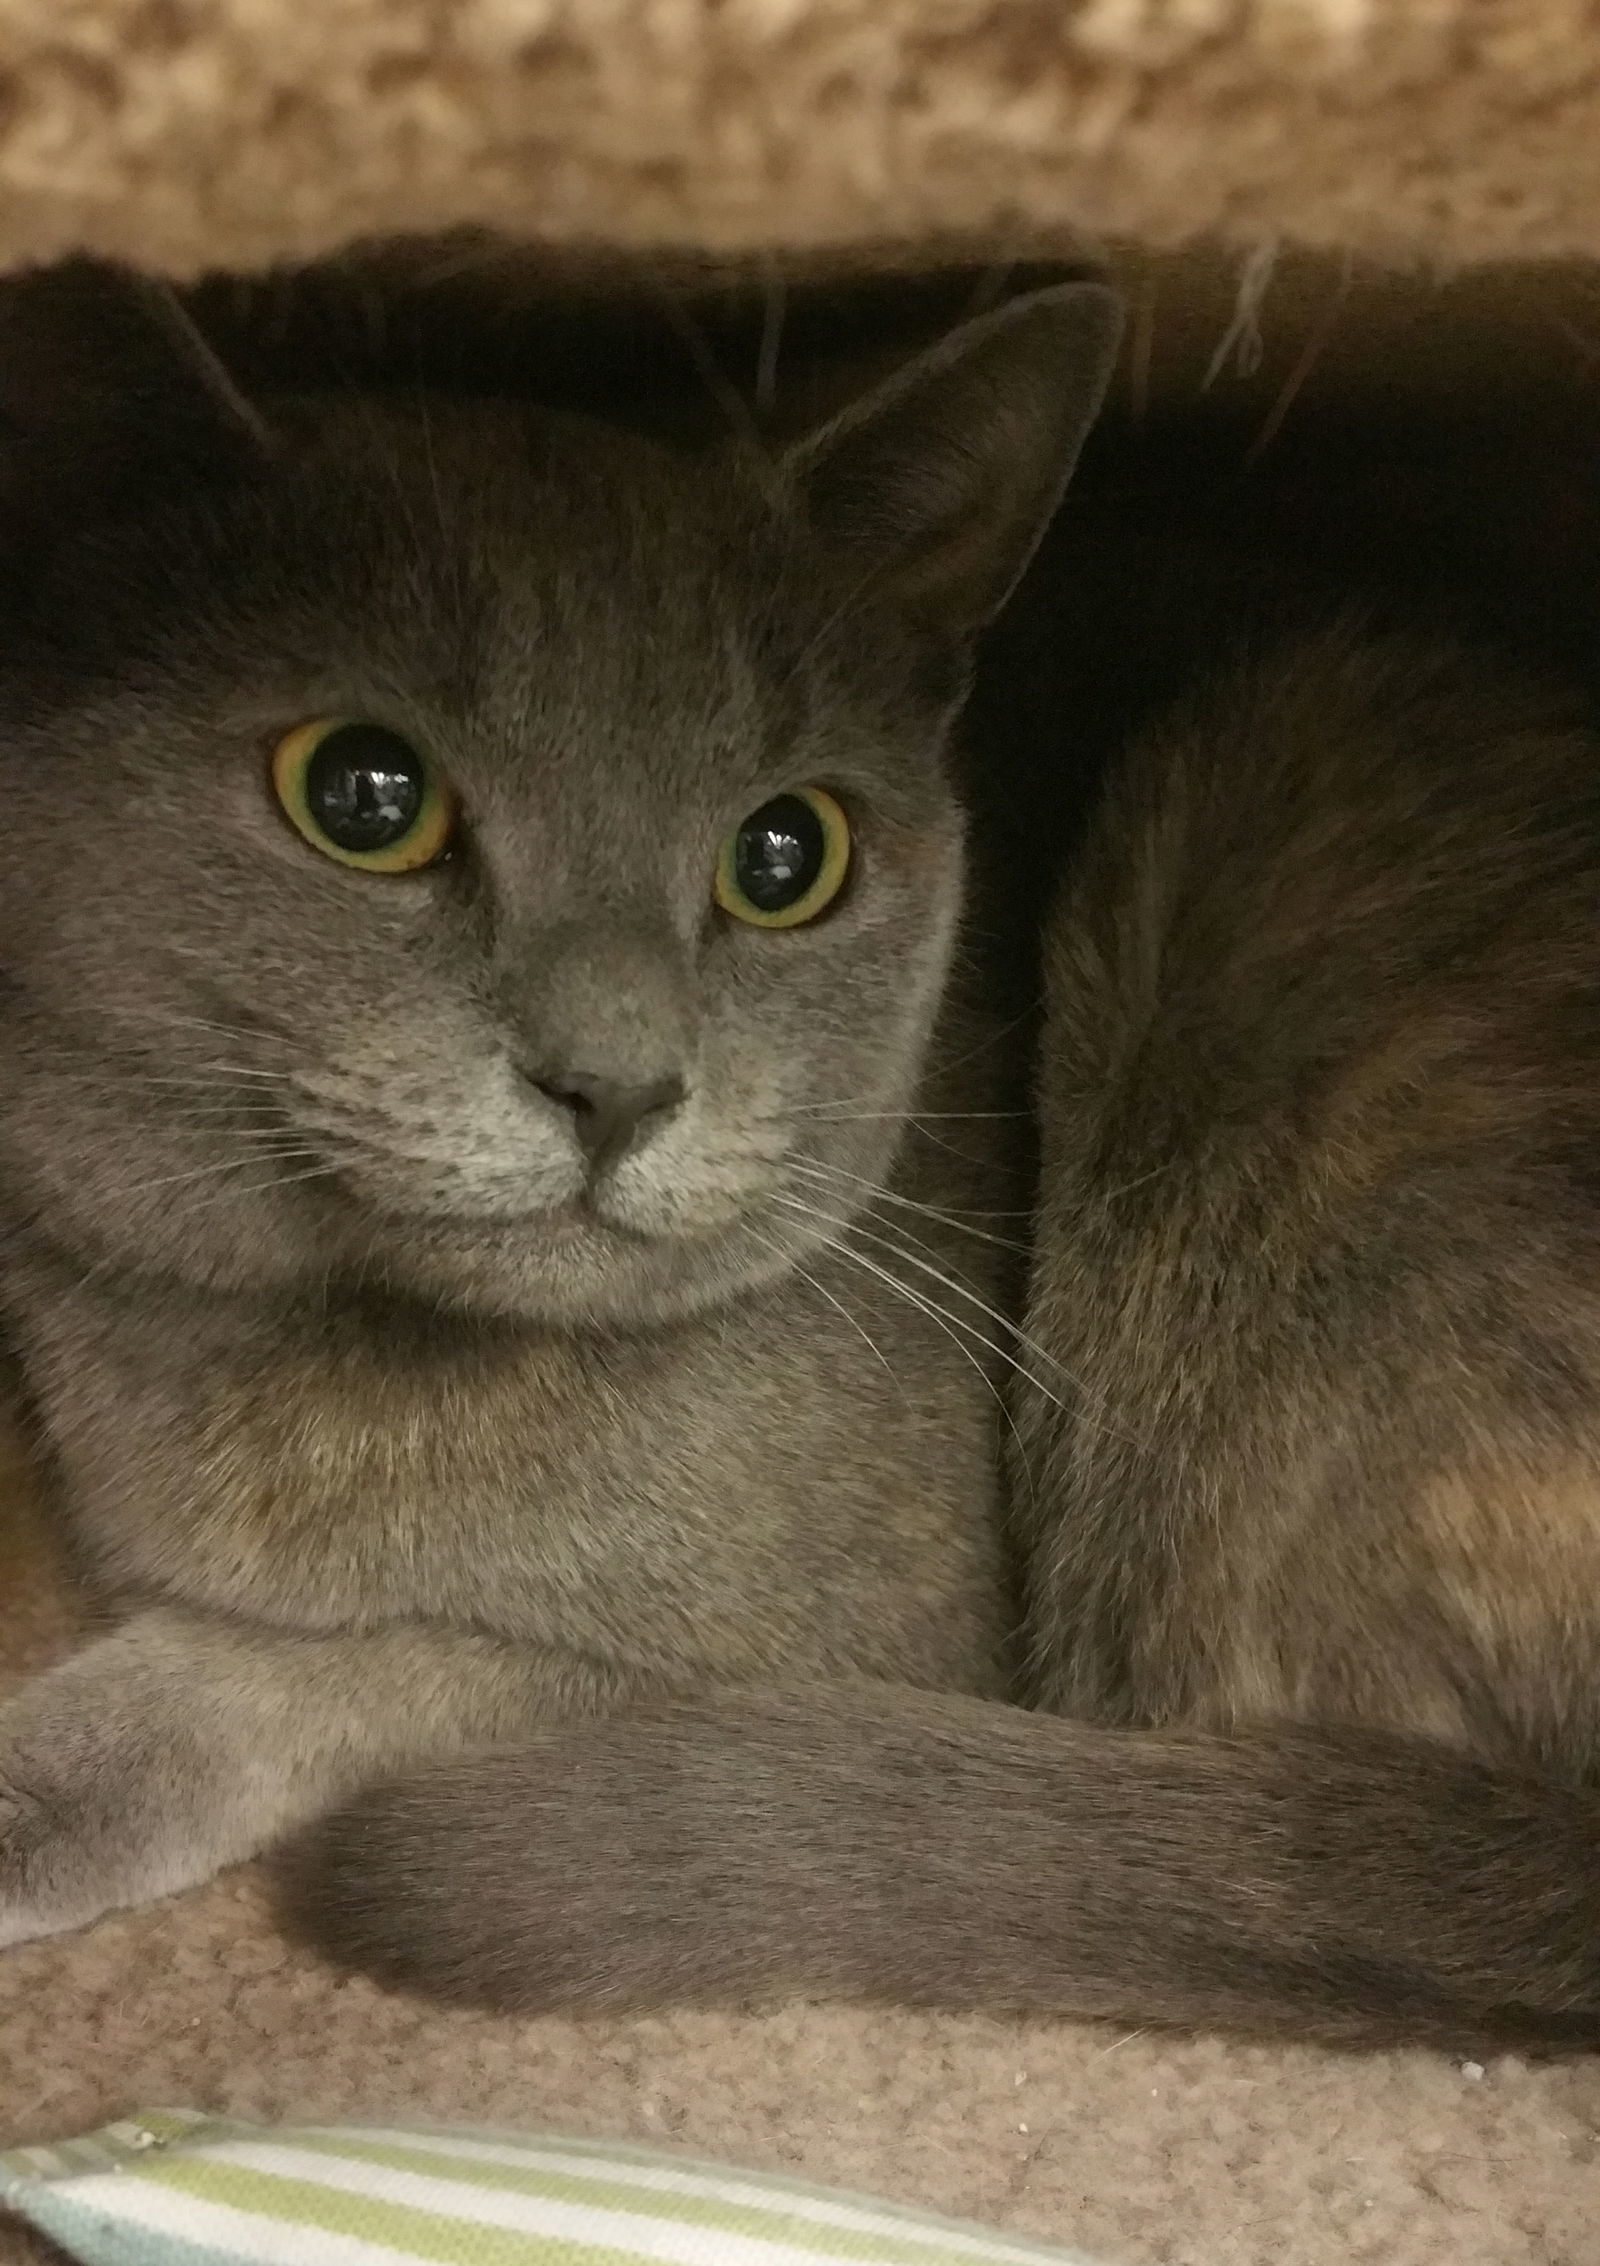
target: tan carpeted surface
1149 2152
187 131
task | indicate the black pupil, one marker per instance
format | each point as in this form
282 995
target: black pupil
778 853
365 787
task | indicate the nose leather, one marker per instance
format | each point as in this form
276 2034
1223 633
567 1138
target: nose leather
607 1115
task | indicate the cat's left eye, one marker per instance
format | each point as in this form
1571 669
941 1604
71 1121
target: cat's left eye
364 795
786 862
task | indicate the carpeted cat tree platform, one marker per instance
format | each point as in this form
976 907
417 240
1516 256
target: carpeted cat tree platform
1265 168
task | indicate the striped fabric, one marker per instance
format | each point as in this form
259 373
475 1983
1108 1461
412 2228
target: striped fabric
179 2189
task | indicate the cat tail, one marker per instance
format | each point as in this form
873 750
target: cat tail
868 1843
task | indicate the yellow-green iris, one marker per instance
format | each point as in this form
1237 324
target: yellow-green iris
786 862
364 795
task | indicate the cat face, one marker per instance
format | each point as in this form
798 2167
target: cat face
247 1058
477 856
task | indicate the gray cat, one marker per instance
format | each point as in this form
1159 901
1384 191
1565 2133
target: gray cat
507 1170
1306 1475
478 894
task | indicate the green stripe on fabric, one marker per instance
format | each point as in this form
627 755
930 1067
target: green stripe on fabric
202 2131
708 2168
20 2166
703 2167
413 2233
167 2125
864 2247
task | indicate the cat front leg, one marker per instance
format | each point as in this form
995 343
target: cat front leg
178 1745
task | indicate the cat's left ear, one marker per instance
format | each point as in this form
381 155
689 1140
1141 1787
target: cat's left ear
935 490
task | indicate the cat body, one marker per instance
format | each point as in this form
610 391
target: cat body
349 1541
1305 1477
438 1291
1317 1227
477 1311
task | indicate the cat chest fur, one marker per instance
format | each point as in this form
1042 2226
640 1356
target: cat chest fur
702 1496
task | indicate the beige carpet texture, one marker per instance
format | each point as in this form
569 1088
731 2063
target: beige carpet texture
1421 137
183 132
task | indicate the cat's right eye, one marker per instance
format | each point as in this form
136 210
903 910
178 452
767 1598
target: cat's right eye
364 795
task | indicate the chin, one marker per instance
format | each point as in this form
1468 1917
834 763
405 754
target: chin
577 1275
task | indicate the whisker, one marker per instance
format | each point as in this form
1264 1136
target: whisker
741 421
1028 1345
991 1038
918 1122
952 1328
224 1121
205 1078
177 1096
257 1187
249 1073
802 1274
960 1226
825 629
287 1179
916 1254
945 1148
225 1111
1126 1187
852 1227
773 309
165 1021
948 1213
903 1116
210 1171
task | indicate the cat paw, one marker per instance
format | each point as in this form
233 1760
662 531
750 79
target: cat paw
47 1869
72 1850
97 1812
20 1922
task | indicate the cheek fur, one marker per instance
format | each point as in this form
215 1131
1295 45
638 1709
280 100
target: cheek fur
721 1154
456 1129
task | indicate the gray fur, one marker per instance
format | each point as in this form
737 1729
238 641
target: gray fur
403 1465
388 1421
1306 1476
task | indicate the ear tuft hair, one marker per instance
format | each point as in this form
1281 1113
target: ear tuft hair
108 393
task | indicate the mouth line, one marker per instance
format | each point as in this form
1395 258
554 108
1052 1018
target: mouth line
573 1219
503 1209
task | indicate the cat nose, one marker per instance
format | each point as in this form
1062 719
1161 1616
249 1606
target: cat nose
607 1114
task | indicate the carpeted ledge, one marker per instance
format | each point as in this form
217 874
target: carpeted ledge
184 133
1147 2151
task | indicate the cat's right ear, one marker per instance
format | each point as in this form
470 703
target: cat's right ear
109 395
934 491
